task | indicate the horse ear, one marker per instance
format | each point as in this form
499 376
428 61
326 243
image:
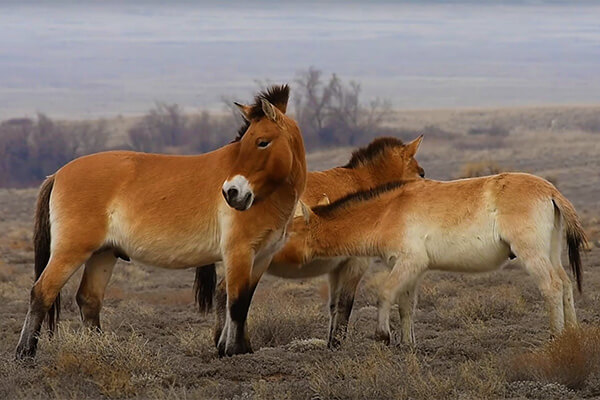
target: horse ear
302 210
412 147
269 110
244 109
324 200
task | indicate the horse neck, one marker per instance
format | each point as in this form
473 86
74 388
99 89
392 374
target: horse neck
353 231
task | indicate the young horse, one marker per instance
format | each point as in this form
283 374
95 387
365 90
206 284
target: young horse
468 225
383 160
232 204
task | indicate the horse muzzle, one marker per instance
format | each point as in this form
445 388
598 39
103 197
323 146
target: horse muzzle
238 193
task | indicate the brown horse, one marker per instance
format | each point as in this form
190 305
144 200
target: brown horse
468 225
383 160
232 204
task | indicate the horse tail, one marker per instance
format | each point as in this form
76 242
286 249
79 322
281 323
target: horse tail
41 244
204 287
576 238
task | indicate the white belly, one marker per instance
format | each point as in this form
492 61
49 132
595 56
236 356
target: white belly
474 248
174 250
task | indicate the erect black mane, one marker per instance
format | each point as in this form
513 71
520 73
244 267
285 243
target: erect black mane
356 197
372 150
278 95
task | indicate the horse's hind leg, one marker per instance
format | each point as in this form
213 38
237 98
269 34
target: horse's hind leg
403 277
97 273
61 266
567 289
406 304
550 285
342 289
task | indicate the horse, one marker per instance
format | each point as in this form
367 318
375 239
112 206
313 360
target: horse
467 225
232 204
384 159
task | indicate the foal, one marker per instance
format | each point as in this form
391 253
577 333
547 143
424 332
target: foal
232 204
383 160
468 225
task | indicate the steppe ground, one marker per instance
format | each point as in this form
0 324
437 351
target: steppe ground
478 336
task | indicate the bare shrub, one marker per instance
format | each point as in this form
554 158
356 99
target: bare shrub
162 126
88 136
569 359
166 128
332 113
481 168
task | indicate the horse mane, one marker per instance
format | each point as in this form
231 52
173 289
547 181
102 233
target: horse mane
278 95
356 197
374 149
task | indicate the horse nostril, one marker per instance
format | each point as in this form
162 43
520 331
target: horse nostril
232 193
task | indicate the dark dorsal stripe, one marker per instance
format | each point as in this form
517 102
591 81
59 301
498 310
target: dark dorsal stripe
278 95
374 149
357 197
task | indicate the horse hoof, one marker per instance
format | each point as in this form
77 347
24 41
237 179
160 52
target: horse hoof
23 353
383 337
238 348
334 344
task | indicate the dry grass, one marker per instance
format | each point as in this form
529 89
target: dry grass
481 304
118 367
569 359
273 325
380 373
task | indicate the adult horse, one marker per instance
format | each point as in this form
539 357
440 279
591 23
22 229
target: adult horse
232 204
383 160
467 225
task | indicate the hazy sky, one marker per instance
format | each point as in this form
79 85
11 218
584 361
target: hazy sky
97 58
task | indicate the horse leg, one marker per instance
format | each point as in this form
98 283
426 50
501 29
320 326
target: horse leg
97 273
570 317
403 276
220 311
242 277
407 300
61 266
343 282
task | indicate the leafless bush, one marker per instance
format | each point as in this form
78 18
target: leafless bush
162 126
569 359
88 136
166 128
332 112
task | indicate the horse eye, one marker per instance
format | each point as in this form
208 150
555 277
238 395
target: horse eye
263 143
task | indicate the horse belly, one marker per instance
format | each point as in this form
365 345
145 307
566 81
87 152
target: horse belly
474 250
312 269
164 248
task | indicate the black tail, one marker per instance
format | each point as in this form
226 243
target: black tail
576 238
204 287
575 242
41 244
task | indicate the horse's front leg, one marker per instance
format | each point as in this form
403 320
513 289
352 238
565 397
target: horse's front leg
242 276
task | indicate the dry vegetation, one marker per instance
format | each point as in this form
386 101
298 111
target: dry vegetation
478 336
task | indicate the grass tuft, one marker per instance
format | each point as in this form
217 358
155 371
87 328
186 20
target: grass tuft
569 359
